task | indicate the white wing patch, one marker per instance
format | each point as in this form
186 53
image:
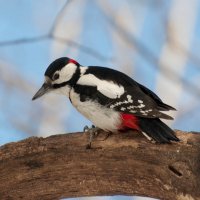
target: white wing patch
107 88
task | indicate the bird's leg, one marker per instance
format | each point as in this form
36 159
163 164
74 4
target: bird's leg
93 131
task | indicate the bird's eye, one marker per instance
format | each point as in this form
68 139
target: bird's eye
55 77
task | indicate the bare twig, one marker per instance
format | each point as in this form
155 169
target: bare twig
58 18
51 35
84 48
23 40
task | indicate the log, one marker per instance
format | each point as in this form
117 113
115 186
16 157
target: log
60 166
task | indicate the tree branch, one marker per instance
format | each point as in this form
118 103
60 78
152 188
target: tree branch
127 164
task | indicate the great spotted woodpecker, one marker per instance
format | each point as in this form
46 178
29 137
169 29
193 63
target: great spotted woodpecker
110 99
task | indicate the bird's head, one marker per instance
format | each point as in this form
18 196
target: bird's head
60 76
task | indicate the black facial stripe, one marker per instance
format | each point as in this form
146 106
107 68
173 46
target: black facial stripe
55 86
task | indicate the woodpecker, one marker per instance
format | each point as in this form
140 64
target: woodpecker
110 99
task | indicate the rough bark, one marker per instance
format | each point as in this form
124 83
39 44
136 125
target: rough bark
126 164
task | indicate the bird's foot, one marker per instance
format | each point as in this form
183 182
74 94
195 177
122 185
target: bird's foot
93 132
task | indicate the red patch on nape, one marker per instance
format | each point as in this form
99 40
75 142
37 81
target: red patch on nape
129 121
73 61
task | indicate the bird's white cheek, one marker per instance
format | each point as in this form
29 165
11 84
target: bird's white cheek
63 90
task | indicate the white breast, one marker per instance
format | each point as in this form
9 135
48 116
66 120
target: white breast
102 117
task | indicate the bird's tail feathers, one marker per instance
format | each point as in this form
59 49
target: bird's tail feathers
164 107
157 130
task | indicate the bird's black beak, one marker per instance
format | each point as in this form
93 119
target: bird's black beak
46 87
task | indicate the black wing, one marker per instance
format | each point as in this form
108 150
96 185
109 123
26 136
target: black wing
136 98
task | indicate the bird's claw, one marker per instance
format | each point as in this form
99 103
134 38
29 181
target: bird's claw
87 129
93 131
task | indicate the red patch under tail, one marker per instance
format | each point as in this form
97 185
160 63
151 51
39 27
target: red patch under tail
129 121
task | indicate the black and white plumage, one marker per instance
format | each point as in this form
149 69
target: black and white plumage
109 98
